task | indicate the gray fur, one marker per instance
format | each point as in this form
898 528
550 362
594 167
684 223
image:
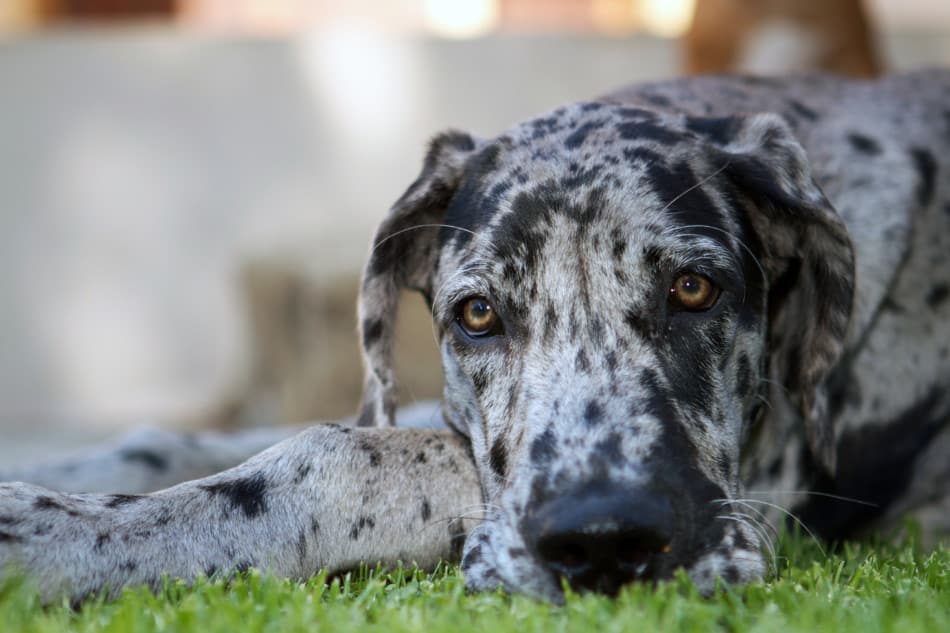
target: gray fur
820 206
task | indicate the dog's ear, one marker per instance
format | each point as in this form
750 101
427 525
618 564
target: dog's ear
808 257
404 256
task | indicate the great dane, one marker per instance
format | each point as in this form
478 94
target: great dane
664 316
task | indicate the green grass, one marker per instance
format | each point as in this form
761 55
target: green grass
859 587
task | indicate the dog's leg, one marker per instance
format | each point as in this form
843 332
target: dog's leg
329 497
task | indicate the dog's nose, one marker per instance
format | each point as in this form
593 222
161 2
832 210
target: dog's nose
600 541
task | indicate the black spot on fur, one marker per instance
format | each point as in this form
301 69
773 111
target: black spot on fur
372 331
128 566
498 459
647 131
543 448
593 413
473 556
421 458
363 523
656 99
249 494
102 539
743 376
302 471
116 501
802 110
426 510
577 137
47 503
688 203
731 574
151 459
926 172
609 448
581 362
6 537
628 112
719 130
864 144
875 465
937 295
639 156
302 547
243 566
480 379
724 465
375 457
638 323
456 538
211 570
8 520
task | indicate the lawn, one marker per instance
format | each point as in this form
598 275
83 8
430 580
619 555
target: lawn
857 587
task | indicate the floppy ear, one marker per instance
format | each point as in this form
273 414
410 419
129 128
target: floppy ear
404 257
808 257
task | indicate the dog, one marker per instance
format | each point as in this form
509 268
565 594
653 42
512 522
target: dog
664 317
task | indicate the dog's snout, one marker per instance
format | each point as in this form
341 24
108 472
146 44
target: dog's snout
600 541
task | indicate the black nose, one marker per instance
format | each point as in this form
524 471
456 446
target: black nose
602 540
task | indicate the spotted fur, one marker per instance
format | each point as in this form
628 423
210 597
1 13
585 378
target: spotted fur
607 435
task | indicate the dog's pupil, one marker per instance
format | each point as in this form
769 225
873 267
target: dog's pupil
691 285
479 313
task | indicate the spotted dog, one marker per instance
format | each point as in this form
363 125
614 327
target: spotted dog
662 315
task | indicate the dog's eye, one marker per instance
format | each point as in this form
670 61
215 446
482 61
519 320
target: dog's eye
693 292
478 318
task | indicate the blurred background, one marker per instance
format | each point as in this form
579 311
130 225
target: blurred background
188 188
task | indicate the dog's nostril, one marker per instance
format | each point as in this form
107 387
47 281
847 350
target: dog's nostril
569 557
601 560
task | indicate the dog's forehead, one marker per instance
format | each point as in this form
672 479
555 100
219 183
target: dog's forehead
591 172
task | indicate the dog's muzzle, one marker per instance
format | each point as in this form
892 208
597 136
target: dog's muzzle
601 538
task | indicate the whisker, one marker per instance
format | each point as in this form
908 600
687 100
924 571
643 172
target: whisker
763 400
813 493
418 226
762 518
456 519
792 516
742 244
696 186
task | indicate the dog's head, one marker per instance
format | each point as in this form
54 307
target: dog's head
611 289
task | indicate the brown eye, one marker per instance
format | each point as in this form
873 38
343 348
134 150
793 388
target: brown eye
478 317
693 292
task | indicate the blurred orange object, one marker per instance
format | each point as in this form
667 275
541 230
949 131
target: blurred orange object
781 35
